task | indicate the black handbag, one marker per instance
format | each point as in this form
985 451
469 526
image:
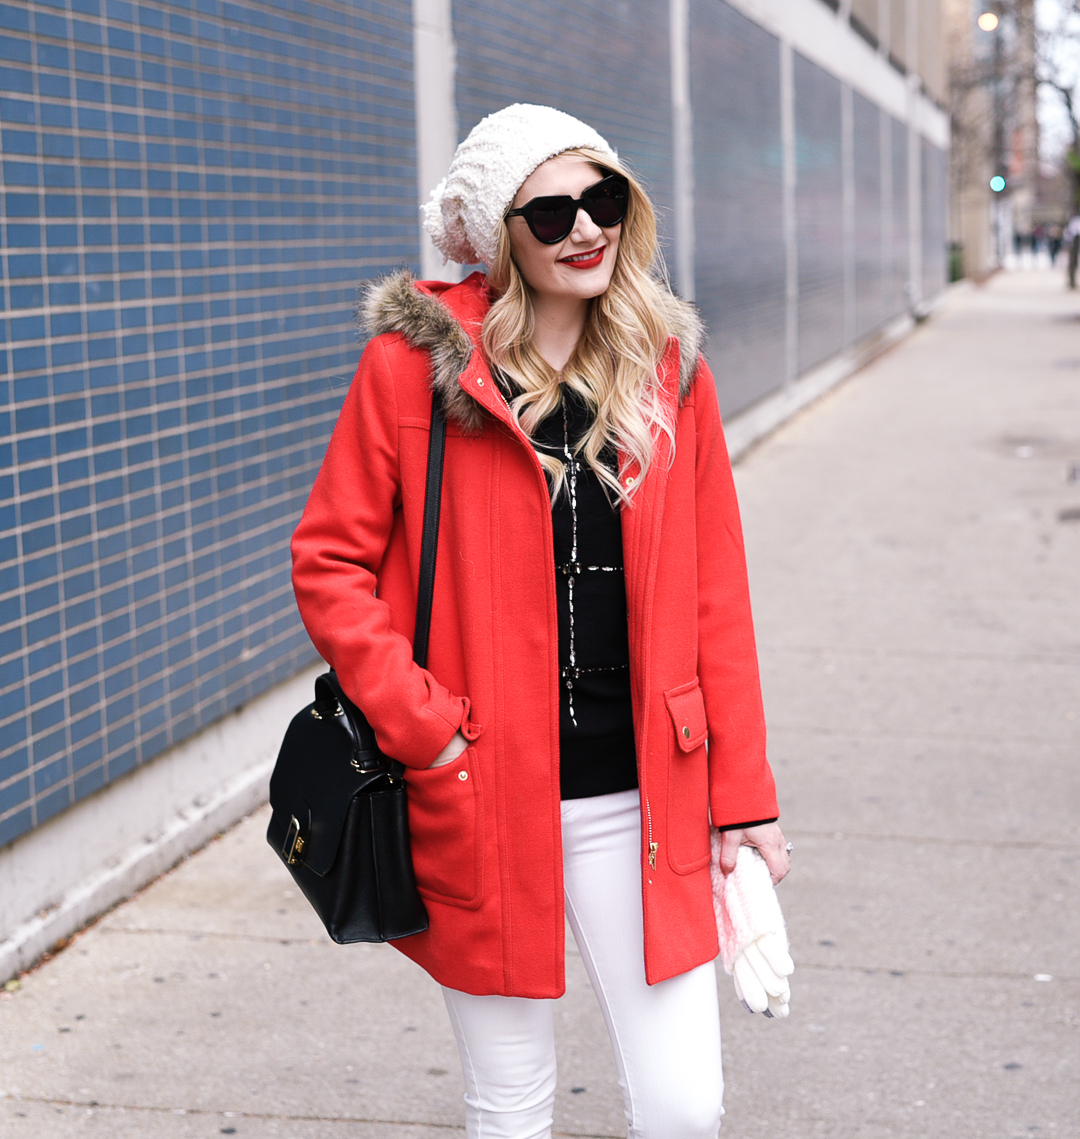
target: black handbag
340 819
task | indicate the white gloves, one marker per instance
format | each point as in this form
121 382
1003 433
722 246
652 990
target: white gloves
753 938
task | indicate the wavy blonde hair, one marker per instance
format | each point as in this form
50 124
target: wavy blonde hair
613 368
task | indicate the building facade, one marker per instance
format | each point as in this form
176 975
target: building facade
994 132
192 191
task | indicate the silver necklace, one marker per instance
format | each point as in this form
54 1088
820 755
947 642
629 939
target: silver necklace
572 569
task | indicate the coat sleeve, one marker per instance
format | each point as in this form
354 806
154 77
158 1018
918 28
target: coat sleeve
741 785
337 550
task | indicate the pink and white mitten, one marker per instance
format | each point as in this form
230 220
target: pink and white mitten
753 937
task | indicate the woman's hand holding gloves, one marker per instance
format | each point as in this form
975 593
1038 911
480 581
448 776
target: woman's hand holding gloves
753 937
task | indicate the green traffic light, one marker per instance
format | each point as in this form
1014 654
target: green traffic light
997 183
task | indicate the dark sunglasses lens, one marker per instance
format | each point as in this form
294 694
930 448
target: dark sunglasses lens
606 201
552 223
607 211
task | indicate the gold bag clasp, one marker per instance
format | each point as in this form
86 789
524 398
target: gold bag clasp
294 843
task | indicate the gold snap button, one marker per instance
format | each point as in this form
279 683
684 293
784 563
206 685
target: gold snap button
463 775
479 381
630 480
686 732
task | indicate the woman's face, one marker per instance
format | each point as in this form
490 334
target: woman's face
578 267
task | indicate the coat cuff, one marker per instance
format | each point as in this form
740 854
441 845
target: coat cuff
743 826
442 732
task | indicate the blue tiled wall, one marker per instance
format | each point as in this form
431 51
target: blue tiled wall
819 204
738 217
934 190
191 190
870 249
896 292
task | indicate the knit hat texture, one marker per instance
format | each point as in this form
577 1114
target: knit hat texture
498 154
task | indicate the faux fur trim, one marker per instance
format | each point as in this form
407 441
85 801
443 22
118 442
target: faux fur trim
687 327
393 304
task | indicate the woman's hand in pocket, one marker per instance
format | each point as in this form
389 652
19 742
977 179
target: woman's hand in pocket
452 750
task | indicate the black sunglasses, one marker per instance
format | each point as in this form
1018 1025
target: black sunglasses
552 219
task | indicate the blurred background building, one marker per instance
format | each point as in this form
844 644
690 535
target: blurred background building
1014 102
996 195
192 190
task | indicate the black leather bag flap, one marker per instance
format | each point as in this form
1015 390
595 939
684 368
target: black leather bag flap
328 756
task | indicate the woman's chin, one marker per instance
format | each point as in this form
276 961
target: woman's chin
578 284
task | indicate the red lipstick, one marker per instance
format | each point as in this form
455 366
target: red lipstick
587 260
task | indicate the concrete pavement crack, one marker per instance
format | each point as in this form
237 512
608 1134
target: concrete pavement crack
97 1105
225 1113
1065 658
878 734
951 974
933 840
221 935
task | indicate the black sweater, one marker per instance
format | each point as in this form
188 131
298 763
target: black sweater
596 723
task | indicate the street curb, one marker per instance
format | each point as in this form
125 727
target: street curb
189 830
158 834
746 429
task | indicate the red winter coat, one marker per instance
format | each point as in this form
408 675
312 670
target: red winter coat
486 831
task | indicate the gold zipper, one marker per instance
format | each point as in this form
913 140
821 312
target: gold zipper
653 846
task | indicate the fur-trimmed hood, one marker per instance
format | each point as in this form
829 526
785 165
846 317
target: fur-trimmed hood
444 320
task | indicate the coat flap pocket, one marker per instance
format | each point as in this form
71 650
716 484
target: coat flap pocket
686 706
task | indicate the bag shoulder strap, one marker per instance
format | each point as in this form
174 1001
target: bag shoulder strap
429 542
429 545
426 586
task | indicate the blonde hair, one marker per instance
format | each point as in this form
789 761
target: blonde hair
613 368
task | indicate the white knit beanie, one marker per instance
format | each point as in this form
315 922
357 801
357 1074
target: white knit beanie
497 155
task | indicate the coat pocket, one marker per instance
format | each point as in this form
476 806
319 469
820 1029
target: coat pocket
445 831
686 706
688 780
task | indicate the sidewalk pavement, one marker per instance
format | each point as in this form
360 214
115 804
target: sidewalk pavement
914 544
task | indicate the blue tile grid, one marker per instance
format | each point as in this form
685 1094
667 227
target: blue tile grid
191 192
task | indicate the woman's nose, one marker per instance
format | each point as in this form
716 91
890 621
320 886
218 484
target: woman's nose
585 229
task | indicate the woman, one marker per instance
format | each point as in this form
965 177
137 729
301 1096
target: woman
591 702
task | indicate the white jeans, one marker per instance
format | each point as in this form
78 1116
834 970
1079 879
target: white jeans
666 1037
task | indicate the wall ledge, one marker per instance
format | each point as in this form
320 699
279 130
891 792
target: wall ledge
749 427
137 828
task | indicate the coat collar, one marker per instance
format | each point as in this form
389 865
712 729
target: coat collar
444 321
